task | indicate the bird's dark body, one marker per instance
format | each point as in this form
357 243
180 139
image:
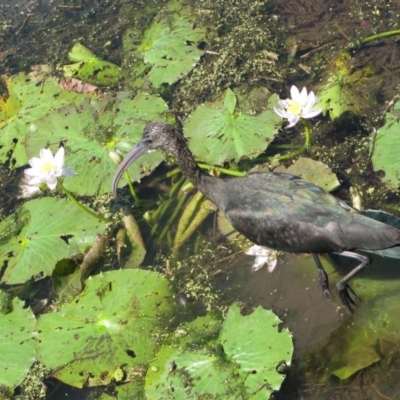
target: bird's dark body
279 211
287 213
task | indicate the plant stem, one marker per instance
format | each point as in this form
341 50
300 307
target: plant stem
223 170
307 132
380 36
79 205
131 188
307 143
173 216
373 37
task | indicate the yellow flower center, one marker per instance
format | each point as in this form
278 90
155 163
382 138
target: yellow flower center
46 167
294 108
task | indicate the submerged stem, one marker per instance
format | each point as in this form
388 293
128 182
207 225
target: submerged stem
131 188
374 37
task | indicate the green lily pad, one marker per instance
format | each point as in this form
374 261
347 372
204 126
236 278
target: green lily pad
49 234
90 68
189 368
218 135
369 338
313 171
94 128
385 148
28 100
67 279
256 345
346 90
17 349
114 323
169 46
202 363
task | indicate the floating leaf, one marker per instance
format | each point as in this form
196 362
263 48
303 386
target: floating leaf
314 171
50 235
238 363
38 114
347 90
230 101
28 100
90 68
186 360
91 130
113 323
217 135
169 46
17 347
370 337
66 277
385 148
256 345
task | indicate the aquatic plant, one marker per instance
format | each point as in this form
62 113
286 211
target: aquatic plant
48 168
90 68
300 106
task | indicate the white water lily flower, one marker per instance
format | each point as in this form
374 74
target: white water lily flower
301 105
48 168
264 256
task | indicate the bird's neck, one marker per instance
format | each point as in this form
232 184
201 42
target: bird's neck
207 184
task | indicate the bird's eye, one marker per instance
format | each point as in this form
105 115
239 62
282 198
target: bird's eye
147 140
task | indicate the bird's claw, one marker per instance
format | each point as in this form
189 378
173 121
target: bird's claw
347 295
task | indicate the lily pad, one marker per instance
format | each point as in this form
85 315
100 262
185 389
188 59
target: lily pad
256 345
114 323
90 68
218 135
369 338
169 46
385 148
49 234
17 347
313 171
28 100
202 363
91 130
347 90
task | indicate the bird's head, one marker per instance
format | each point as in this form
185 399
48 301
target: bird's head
159 135
156 135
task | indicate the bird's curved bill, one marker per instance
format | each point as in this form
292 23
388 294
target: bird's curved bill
139 149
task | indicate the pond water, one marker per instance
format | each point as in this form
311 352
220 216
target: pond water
132 69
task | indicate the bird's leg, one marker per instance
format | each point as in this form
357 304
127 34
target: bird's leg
342 287
322 275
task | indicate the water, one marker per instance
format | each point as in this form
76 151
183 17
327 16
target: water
271 45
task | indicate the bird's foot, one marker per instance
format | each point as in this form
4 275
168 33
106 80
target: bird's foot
347 295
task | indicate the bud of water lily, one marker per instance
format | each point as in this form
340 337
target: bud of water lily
116 156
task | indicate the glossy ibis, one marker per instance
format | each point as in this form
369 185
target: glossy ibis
277 210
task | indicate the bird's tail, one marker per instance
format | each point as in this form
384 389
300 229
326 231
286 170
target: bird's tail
392 252
389 219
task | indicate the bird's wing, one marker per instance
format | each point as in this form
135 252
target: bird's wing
288 213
